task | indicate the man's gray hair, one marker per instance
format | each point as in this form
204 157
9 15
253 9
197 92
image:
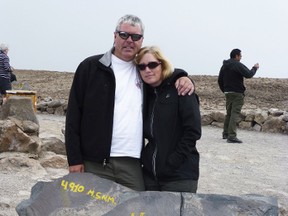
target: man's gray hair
4 47
132 20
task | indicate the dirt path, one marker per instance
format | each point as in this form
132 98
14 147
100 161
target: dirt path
257 166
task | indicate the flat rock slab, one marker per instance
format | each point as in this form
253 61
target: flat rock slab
88 194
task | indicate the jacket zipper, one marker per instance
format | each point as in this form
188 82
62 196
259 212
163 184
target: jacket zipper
151 131
104 162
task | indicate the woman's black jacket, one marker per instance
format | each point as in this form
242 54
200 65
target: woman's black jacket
172 124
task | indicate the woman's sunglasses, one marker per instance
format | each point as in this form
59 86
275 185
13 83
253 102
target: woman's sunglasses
126 35
150 65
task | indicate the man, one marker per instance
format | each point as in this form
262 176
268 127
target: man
104 115
231 82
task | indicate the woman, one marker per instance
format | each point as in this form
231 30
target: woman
5 71
172 124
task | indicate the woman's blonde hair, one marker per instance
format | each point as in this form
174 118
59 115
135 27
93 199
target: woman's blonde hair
167 68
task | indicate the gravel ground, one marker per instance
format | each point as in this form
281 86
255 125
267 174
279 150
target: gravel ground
257 166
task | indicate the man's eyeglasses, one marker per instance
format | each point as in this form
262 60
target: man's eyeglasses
150 65
126 35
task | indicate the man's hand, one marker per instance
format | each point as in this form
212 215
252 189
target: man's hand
76 168
256 65
184 85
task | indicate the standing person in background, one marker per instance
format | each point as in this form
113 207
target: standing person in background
172 125
5 71
231 82
103 132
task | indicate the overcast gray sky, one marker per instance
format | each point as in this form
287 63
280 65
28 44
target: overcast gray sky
196 35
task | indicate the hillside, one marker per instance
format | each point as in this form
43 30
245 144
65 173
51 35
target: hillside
261 92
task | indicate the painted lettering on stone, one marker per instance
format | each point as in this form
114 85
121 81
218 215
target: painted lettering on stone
78 188
140 214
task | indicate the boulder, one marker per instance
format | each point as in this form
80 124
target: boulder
55 103
206 119
20 162
88 194
59 111
257 127
275 112
218 116
217 124
54 161
13 138
245 125
260 117
53 144
28 127
249 115
273 125
20 108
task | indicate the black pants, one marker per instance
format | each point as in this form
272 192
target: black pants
122 170
5 84
175 186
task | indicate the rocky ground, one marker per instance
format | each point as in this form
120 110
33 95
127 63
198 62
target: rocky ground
261 92
258 166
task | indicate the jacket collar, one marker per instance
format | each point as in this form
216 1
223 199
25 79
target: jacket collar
106 59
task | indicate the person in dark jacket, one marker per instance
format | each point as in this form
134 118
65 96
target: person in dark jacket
172 125
231 82
104 122
5 71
